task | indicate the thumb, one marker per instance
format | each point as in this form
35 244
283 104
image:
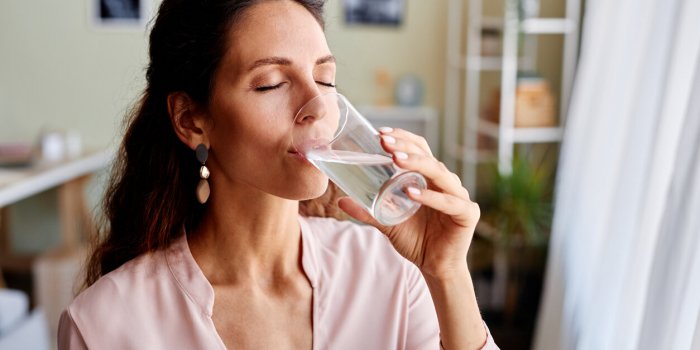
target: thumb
357 212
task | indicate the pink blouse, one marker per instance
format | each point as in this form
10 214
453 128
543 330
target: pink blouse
365 296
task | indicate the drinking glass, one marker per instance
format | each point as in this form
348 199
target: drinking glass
333 136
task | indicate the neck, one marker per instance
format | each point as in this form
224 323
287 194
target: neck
248 236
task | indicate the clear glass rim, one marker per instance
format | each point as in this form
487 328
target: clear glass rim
340 127
385 191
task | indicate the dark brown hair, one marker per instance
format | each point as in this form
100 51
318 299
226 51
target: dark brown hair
150 196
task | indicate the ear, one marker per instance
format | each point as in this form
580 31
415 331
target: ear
188 120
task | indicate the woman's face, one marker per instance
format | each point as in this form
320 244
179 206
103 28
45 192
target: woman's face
277 59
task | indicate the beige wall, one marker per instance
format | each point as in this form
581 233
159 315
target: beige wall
57 71
416 47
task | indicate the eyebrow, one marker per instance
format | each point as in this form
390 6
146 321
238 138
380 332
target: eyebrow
286 62
325 59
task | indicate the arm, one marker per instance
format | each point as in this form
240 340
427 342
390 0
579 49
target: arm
461 326
436 238
424 329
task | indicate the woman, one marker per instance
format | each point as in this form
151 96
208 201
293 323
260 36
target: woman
240 268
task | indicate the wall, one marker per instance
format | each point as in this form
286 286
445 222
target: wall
417 46
56 71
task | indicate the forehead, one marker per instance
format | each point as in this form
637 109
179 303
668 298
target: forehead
280 28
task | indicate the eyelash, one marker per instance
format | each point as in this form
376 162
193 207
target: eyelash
268 88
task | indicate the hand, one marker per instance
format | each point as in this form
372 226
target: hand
438 236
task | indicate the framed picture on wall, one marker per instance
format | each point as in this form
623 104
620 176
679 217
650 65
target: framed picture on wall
374 12
120 13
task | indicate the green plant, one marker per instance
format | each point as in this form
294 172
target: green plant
518 207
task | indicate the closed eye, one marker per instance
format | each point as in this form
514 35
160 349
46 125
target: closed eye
272 87
268 88
325 84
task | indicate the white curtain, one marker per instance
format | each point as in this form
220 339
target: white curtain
624 262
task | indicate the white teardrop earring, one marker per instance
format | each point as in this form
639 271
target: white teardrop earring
203 190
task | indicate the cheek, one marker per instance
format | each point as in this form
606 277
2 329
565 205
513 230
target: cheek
254 136
263 123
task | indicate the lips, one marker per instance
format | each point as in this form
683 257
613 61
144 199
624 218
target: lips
313 144
296 155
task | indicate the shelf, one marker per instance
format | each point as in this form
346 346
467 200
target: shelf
420 120
488 63
472 156
19 183
483 63
547 26
535 25
489 128
523 135
489 21
538 135
467 67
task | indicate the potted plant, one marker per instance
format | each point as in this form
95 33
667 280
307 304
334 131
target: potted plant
516 220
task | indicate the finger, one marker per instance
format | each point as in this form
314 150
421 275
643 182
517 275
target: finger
433 170
409 137
357 212
463 212
391 144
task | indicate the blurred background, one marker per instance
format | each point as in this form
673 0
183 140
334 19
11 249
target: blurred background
574 124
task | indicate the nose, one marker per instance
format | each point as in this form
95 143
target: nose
314 109
317 122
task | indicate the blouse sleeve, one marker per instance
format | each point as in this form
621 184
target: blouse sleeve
490 344
69 337
423 327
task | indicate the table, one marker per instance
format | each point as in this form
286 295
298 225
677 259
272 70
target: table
69 177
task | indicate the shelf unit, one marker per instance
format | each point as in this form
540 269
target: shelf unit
465 69
420 120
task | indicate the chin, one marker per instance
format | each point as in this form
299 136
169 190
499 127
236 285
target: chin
309 187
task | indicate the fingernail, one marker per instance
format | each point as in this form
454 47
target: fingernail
401 155
388 139
414 191
386 129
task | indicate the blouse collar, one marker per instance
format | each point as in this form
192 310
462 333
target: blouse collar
191 280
